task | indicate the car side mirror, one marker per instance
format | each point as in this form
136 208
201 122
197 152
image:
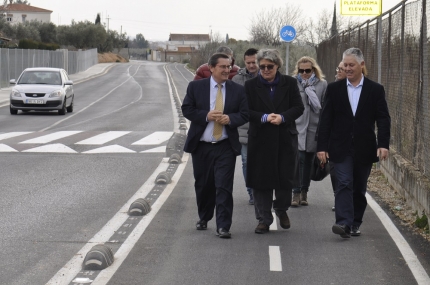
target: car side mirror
12 81
68 82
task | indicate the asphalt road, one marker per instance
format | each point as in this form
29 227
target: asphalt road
66 183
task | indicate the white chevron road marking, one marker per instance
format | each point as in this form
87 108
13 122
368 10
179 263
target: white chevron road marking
51 148
103 138
52 137
154 138
12 135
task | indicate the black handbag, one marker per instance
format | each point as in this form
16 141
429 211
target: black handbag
319 171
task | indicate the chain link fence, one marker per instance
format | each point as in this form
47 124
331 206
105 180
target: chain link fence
14 61
396 53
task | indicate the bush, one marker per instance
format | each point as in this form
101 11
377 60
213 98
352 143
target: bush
30 44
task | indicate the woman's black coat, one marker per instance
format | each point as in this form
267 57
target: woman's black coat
272 149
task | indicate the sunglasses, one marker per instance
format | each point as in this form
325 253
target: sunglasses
307 70
269 66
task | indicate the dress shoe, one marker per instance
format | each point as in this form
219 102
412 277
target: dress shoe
342 230
202 225
223 233
262 228
355 231
284 221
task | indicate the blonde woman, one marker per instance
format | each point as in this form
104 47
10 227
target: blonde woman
312 86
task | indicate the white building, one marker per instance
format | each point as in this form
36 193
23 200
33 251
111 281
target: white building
190 41
20 13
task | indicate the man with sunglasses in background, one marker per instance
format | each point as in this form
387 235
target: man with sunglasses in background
347 137
215 106
204 71
249 71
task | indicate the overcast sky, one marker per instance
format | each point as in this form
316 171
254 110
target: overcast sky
156 19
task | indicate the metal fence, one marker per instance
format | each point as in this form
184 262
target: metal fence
14 61
396 53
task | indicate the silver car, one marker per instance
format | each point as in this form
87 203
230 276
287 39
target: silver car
42 89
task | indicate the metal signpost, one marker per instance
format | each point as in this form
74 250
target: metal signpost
287 34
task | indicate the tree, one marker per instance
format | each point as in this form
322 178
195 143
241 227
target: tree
98 21
22 2
140 41
81 35
267 24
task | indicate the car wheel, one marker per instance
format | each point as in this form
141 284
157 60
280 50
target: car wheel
70 108
63 109
13 111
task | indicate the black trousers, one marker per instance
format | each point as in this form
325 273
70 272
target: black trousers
351 186
263 200
214 166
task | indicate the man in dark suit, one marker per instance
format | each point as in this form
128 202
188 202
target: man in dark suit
347 137
215 106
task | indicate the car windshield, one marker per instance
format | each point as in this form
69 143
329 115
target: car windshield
40 77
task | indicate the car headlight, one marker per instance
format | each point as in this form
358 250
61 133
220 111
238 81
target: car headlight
57 93
15 93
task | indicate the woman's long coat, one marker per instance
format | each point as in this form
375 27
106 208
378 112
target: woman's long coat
272 149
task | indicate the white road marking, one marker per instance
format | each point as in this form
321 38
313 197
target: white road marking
110 149
12 135
52 137
154 138
51 148
103 138
411 259
157 149
274 225
275 258
6 148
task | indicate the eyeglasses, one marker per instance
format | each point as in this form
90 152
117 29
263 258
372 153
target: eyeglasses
339 69
307 70
224 66
269 66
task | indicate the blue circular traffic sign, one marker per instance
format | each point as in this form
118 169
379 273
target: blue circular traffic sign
287 33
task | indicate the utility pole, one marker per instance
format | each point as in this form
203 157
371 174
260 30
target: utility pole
108 22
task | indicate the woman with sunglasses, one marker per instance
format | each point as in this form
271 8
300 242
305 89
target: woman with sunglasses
274 105
312 86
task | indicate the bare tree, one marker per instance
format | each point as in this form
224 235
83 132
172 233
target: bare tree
320 29
267 24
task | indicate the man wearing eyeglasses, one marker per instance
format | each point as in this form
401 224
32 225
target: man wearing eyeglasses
249 71
347 137
204 71
215 106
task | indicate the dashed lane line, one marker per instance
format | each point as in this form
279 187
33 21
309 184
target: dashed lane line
275 258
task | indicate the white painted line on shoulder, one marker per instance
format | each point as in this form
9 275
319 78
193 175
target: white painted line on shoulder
410 257
275 258
12 135
102 138
52 137
274 225
154 138
52 148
